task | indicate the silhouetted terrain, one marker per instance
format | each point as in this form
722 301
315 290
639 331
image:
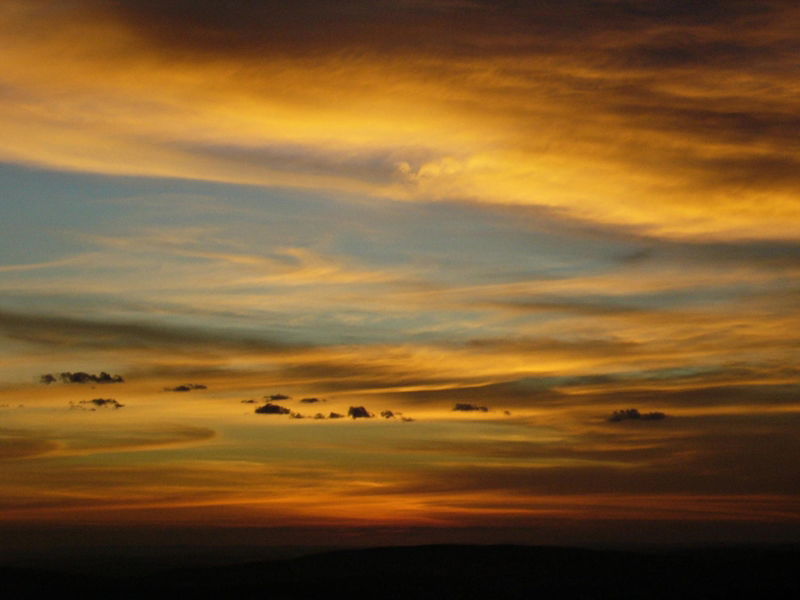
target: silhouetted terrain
436 572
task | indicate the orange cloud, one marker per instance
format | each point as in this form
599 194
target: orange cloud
630 128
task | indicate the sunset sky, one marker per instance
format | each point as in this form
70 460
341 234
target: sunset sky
546 212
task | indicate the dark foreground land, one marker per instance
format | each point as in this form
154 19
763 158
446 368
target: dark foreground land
440 572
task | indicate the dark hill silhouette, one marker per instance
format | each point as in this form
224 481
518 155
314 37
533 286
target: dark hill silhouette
444 572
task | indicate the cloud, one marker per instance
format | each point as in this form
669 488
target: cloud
81 377
232 264
272 409
99 403
188 387
309 400
358 412
466 407
133 438
57 442
308 96
104 335
632 414
698 352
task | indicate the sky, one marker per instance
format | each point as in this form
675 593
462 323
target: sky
551 248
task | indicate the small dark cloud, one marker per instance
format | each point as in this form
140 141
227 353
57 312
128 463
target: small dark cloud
272 409
187 387
250 401
97 403
296 415
310 400
335 415
464 407
359 412
631 414
387 414
407 420
81 377
277 397
319 416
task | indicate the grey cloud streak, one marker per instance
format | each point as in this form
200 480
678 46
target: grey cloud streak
98 335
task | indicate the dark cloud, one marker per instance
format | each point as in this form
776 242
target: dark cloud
657 111
310 400
466 407
359 412
81 377
206 26
272 409
335 415
99 403
387 414
277 397
632 414
187 387
307 26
